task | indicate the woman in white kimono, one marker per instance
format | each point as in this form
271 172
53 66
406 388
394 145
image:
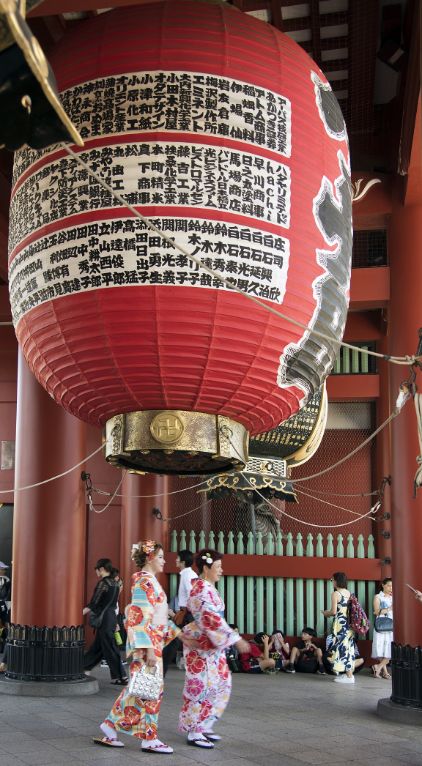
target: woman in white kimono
208 679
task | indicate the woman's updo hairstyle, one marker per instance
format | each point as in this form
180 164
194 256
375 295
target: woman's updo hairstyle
144 551
206 558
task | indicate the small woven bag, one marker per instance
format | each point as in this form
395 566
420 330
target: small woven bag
145 683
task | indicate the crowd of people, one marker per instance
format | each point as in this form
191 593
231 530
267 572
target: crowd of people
212 648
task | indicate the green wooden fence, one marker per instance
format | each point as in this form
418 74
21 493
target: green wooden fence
350 361
287 603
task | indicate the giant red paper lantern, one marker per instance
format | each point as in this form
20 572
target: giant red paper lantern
223 131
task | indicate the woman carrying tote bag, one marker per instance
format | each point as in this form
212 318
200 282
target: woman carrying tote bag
383 629
148 631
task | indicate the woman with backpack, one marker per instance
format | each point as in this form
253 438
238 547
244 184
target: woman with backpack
383 629
342 654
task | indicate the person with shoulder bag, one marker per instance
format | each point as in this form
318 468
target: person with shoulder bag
182 616
101 612
383 629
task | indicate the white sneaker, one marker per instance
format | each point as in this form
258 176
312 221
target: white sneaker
344 679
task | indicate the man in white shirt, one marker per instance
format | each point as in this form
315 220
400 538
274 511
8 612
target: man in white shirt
184 561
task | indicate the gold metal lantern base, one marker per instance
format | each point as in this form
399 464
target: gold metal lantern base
175 442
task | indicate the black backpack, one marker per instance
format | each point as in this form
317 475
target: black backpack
233 661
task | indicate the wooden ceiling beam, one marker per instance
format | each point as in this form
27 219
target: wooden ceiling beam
315 31
336 65
315 20
275 13
410 86
334 43
362 53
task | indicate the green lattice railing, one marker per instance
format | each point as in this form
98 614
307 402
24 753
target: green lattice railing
352 362
287 603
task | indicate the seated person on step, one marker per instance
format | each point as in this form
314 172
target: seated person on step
257 659
306 656
279 649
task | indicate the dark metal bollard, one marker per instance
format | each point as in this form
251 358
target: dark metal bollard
45 654
406 663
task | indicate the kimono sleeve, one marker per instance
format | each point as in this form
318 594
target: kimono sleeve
139 615
171 632
210 622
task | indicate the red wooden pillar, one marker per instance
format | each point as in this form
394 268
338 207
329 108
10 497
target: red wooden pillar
382 529
49 531
142 494
405 247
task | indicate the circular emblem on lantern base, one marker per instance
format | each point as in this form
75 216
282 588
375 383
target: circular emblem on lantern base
176 442
167 428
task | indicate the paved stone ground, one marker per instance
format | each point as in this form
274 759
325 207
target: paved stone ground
286 720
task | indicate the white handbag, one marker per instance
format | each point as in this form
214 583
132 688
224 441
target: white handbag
146 683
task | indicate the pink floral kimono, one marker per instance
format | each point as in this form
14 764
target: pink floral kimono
208 679
147 626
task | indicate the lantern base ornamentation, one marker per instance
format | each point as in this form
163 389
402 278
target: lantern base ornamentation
175 442
268 476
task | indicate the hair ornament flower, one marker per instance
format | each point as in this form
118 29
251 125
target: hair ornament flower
135 548
207 558
148 547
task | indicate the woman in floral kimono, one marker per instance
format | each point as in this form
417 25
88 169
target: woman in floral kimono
148 631
208 679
